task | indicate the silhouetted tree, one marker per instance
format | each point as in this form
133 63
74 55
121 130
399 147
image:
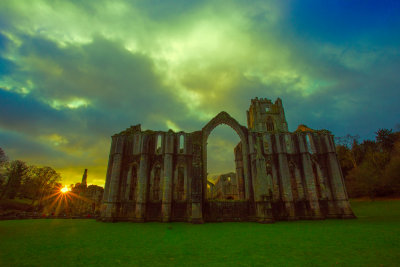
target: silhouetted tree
3 157
385 138
15 172
43 182
3 162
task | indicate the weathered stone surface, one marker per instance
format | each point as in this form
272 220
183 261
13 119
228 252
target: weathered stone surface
162 176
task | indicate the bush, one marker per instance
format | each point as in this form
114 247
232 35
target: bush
8 204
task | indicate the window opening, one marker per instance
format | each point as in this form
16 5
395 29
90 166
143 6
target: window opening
181 143
133 183
158 150
156 184
180 183
309 149
270 124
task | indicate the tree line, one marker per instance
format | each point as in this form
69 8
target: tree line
36 189
371 168
20 180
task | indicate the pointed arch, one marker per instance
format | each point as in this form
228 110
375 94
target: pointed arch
270 124
224 118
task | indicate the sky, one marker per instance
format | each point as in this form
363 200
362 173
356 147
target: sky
73 73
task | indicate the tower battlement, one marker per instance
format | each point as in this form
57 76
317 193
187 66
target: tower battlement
265 116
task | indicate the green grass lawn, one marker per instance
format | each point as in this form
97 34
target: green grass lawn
371 240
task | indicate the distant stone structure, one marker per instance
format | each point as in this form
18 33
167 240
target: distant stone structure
225 187
162 176
89 200
84 179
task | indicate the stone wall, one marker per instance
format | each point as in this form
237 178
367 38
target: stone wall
162 176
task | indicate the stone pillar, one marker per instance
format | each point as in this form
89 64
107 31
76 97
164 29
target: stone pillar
320 177
128 183
113 182
300 189
311 188
109 169
338 187
251 166
167 183
276 194
287 195
262 184
141 189
114 186
326 193
246 172
185 181
197 183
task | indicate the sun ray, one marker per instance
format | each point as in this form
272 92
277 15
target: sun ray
80 197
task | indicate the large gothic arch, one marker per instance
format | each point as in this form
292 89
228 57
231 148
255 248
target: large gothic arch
224 118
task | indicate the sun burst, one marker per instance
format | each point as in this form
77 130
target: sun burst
64 190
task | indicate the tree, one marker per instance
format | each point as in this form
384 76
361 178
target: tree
3 157
44 181
348 150
366 179
3 162
385 138
15 172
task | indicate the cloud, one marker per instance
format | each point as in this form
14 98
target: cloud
72 73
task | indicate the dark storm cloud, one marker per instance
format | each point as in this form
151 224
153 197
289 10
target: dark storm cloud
75 73
120 88
112 80
27 148
25 114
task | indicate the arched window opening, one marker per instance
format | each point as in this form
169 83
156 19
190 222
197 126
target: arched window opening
308 141
158 147
287 143
156 184
136 142
181 143
292 171
180 184
270 124
316 181
133 183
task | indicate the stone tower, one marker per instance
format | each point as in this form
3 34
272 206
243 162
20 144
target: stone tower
265 116
84 179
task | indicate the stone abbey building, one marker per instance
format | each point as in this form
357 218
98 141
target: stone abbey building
280 175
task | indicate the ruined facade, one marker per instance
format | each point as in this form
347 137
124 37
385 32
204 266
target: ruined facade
162 176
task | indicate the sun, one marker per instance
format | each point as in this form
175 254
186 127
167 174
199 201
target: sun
64 190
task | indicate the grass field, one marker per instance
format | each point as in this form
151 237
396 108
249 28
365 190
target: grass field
371 240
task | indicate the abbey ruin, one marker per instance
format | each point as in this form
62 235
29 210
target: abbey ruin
280 175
